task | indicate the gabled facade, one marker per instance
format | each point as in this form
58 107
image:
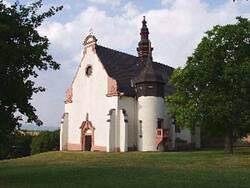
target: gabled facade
116 102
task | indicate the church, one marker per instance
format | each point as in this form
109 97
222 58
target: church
116 102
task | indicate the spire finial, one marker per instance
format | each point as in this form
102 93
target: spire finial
144 47
90 39
87 116
91 31
144 22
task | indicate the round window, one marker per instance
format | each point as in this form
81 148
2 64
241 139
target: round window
88 70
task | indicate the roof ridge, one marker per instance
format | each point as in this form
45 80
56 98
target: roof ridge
162 64
132 55
117 51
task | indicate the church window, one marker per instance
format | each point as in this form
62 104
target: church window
140 128
88 70
150 87
160 123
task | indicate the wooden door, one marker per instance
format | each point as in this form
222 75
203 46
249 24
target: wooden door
88 142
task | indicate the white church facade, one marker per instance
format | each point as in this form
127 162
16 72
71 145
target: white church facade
116 102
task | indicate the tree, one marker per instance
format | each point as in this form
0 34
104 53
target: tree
23 52
212 90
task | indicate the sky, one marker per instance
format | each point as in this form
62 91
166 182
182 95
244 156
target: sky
175 26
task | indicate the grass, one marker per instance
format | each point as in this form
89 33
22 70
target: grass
208 169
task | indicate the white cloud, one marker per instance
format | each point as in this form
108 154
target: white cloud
67 7
121 30
174 32
7 3
167 2
130 10
112 2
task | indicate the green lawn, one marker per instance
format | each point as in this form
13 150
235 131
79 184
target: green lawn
134 169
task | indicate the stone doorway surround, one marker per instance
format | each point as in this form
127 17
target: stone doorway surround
87 130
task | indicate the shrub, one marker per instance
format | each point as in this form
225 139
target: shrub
21 146
17 145
45 141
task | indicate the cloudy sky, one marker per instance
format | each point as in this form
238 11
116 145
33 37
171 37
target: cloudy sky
176 27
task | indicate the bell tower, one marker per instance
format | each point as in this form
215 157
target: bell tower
149 85
144 48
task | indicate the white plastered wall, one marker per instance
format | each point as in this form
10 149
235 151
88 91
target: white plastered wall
150 108
89 96
112 131
129 104
64 132
123 123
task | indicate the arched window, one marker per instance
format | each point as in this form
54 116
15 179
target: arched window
88 70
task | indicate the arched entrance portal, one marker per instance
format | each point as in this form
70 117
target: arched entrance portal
87 135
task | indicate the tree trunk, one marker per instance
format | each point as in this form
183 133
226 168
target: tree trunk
229 142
